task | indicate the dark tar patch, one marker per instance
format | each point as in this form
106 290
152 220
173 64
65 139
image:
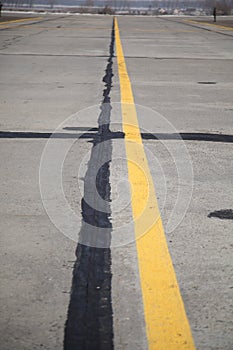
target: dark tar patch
223 214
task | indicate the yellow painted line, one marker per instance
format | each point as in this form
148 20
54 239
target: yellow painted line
167 325
20 20
209 24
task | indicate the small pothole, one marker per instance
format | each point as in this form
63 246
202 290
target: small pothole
223 214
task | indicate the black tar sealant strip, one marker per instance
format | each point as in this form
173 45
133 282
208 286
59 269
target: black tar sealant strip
89 324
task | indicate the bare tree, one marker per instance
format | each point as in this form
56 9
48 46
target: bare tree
224 7
51 3
89 3
30 3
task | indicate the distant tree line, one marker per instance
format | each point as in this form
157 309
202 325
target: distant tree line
27 3
109 6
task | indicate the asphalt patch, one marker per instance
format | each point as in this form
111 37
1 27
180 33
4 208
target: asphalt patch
89 322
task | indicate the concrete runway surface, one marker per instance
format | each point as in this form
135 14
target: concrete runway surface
97 115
